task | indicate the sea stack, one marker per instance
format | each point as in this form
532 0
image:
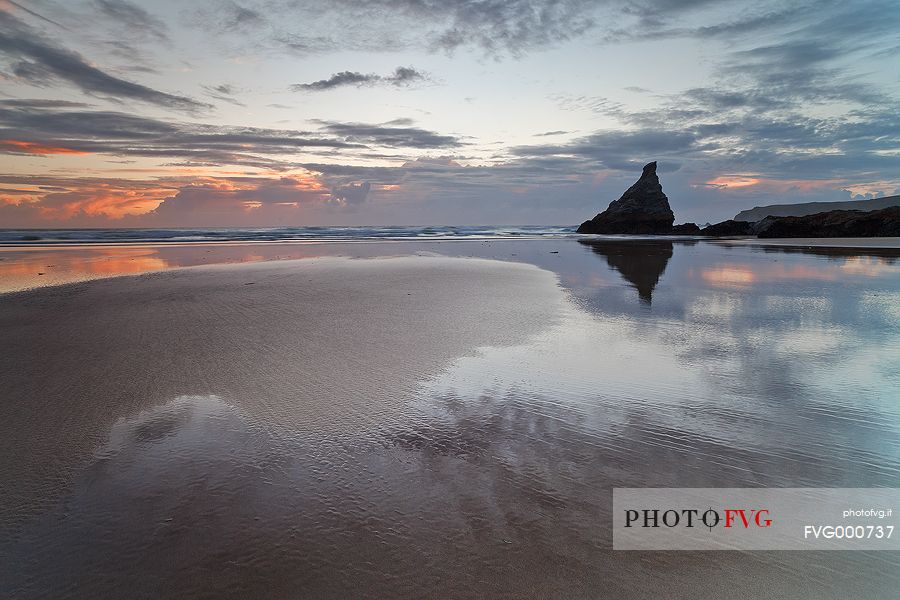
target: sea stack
642 209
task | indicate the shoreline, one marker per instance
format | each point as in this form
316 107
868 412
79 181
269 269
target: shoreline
24 267
862 243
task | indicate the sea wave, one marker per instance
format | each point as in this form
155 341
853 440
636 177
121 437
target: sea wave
274 234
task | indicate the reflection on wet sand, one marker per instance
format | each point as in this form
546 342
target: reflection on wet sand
321 346
34 267
642 263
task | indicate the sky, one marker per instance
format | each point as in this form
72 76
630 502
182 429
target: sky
190 113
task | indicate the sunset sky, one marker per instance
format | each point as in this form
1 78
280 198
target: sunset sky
349 112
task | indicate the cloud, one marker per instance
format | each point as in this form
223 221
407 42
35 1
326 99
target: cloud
494 27
18 40
137 20
390 135
352 193
38 200
229 17
10 146
223 92
169 202
39 127
215 199
235 16
33 14
623 150
344 78
402 76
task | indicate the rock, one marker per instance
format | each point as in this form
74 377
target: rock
642 209
726 228
686 229
812 208
759 226
834 223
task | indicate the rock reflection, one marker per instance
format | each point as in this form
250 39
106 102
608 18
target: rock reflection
641 263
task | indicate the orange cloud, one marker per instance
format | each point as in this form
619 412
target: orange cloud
167 201
732 181
886 187
23 147
102 200
737 182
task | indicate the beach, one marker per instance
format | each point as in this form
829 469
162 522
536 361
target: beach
416 419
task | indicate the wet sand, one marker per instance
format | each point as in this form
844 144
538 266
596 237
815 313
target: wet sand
324 347
435 427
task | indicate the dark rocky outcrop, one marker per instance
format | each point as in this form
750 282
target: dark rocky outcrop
686 229
835 223
727 228
812 208
642 209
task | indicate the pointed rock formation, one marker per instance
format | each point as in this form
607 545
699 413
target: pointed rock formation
642 209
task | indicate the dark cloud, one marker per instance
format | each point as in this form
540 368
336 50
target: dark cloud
402 76
342 79
352 193
122 134
45 60
390 135
790 108
496 27
236 16
229 17
25 9
405 75
514 26
138 21
34 73
39 103
223 92
135 60
39 124
624 150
